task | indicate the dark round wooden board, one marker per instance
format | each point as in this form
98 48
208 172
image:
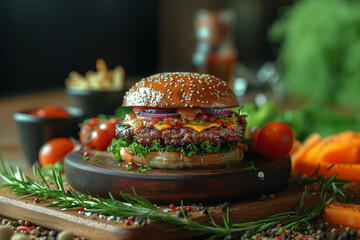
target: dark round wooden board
102 174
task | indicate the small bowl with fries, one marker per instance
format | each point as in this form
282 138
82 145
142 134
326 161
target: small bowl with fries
99 92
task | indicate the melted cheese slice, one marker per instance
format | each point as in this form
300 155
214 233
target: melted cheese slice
200 127
132 122
192 124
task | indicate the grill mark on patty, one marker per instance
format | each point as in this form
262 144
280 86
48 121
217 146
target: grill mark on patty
181 136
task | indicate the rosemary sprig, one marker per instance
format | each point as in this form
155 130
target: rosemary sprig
135 205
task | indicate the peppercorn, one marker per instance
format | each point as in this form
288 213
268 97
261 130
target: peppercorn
353 234
204 211
181 214
335 236
225 206
322 226
38 234
323 235
53 233
5 232
19 237
45 233
345 235
36 200
65 235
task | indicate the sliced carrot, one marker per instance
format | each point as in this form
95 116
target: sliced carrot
297 156
343 214
342 149
296 146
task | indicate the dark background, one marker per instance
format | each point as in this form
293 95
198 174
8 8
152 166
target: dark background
42 41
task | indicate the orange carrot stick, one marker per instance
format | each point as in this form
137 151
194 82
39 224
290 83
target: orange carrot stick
343 214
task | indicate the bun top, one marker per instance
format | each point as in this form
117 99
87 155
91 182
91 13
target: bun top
181 90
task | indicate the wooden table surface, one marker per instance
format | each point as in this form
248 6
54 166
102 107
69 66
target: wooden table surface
9 142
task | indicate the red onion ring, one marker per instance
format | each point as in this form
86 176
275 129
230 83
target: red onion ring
158 116
159 110
216 111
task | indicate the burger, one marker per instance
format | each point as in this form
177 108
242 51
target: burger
180 120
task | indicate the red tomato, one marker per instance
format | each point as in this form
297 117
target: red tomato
114 120
50 112
275 140
253 134
84 132
94 121
54 150
100 139
109 126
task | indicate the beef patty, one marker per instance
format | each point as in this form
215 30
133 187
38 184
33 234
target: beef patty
181 136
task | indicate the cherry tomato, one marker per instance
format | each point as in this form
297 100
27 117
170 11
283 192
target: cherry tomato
275 140
55 150
253 134
109 126
100 139
50 112
114 120
94 121
84 132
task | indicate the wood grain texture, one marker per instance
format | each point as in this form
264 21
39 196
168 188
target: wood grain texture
103 174
101 229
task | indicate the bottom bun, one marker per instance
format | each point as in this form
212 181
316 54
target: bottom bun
176 160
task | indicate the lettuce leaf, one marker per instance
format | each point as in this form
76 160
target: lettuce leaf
189 150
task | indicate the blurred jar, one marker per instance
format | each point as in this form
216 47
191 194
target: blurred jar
215 52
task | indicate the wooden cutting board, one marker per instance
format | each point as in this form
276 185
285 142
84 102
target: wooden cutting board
102 229
101 174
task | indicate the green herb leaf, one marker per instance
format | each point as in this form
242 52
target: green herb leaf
128 167
141 170
250 168
120 112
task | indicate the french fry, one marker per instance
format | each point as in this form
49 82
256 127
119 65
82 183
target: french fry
103 79
101 65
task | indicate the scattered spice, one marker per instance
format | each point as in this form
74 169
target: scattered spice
261 175
86 156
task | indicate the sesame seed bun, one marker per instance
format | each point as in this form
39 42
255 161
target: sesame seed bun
181 90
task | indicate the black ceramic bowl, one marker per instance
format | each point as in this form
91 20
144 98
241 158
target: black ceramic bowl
95 102
34 132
